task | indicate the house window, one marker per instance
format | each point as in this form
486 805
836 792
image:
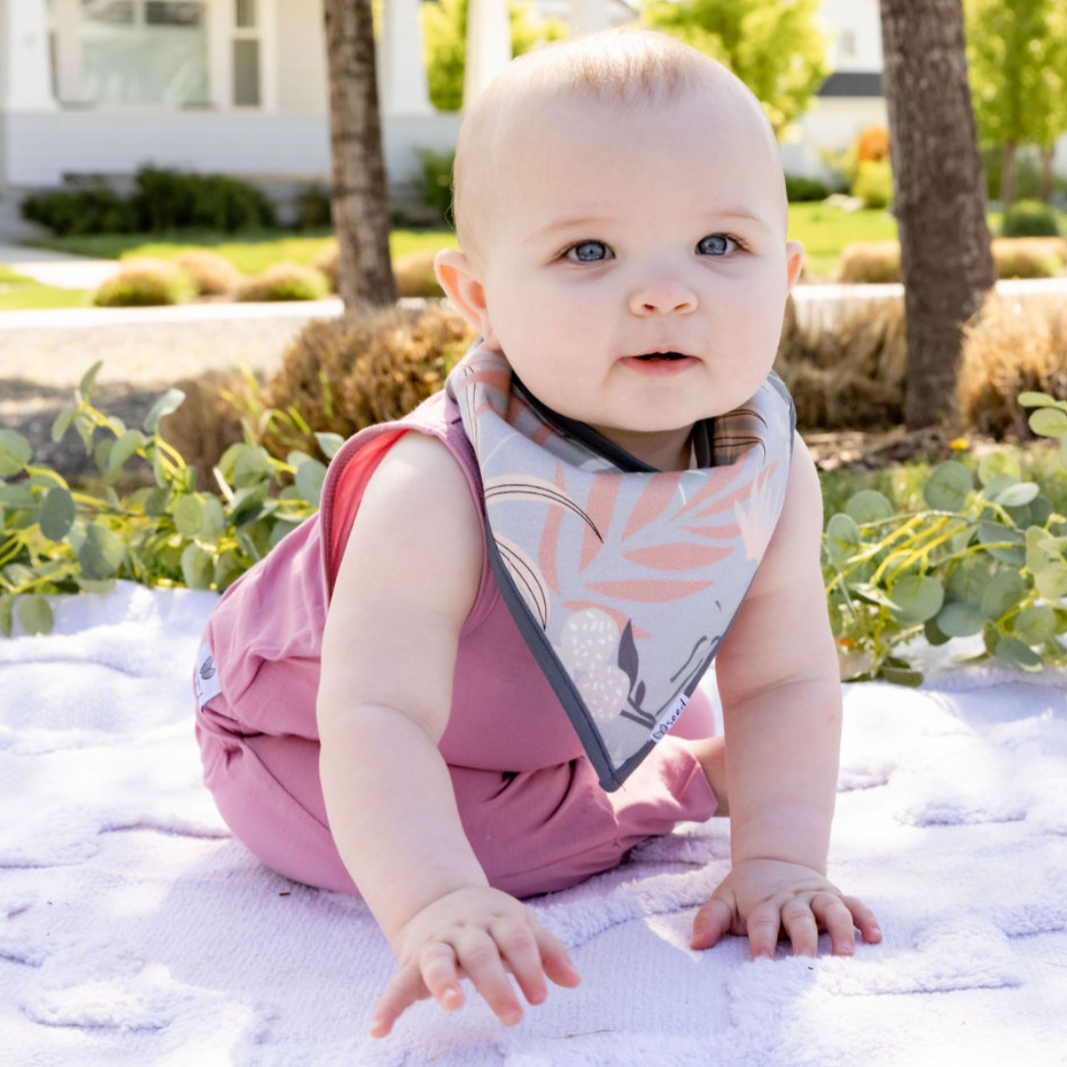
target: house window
246 55
144 52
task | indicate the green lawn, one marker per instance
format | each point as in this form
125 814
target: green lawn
250 253
18 293
824 232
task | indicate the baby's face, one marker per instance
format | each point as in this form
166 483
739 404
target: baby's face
617 234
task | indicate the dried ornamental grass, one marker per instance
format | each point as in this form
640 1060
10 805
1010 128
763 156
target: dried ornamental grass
283 281
849 372
1029 257
344 374
1011 347
326 263
145 282
870 261
415 275
212 274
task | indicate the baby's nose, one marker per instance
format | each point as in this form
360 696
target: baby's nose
663 297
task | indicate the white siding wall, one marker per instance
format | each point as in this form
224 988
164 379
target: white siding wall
301 57
857 27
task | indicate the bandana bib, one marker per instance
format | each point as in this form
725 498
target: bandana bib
622 579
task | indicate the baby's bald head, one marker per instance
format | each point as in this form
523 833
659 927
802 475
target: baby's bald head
621 68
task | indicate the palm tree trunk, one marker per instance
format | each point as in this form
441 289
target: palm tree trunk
360 209
939 195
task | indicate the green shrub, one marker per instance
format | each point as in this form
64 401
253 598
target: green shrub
284 281
162 200
874 183
1029 218
314 210
171 200
799 189
145 283
434 181
70 213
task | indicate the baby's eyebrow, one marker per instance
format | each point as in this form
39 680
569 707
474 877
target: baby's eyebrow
564 224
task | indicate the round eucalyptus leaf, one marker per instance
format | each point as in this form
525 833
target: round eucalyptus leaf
1016 654
7 611
948 487
84 425
917 598
124 447
1040 509
1003 543
1061 459
997 484
214 519
868 505
1005 590
228 569
901 676
1036 556
188 516
15 453
843 538
958 619
155 503
309 479
100 588
282 528
35 614
252 466
57 514
85 386
1037 400
169 402
1051 581
1048 422
968 582
198 568
102 452
998 463
934 634
1015 496
101 553
62 423
1035 625
295 458
330 443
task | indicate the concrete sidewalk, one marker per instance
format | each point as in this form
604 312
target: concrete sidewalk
58 269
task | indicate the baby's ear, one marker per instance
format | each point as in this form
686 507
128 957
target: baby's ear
460 281
794 262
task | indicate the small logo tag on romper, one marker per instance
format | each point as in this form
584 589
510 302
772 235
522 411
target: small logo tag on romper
207 676
669 719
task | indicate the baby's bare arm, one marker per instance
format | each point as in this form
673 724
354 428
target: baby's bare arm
407 581
778 677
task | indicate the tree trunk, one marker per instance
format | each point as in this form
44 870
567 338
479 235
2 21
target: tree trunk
1047 156
939 195
1007 175
360 210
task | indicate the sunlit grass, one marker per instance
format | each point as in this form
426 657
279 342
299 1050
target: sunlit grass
19 293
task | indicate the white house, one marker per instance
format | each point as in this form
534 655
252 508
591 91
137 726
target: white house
95 88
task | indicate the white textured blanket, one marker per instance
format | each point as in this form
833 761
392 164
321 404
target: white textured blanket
134 930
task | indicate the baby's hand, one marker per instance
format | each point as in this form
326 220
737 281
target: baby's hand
477 933
760 897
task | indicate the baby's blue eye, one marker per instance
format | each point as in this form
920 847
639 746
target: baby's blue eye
588 252
715 244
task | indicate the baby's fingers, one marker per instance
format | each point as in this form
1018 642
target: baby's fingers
713 920
404 988
556 959
864 918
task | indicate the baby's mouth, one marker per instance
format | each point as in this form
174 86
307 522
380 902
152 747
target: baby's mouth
651 357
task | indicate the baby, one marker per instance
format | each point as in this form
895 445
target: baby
484 686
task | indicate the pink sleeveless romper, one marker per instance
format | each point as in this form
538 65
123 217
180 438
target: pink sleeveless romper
528 798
